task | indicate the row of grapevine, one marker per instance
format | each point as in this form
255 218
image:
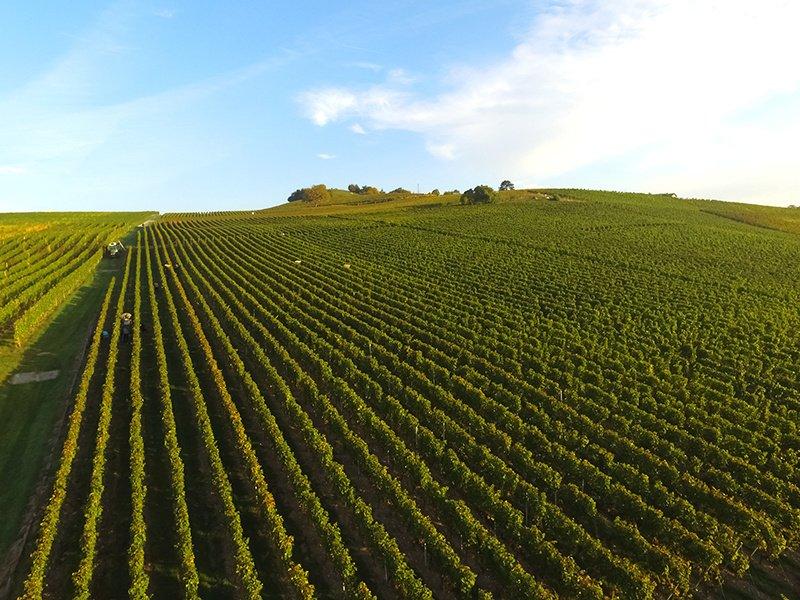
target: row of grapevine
138 531
359 447
501 443
503 476
41 284
402 575
283 543
34 582
304 492
20 255
245 568
82 578
372 338
26 324
40 266
43 263
331 360
188 575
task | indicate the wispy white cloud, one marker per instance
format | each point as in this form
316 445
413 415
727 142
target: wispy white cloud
12 170
328 104
69 125
37 133
368 66
400 77
597 80
74 78
165 13
56 119
324 156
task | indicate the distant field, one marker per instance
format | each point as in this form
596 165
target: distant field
566 394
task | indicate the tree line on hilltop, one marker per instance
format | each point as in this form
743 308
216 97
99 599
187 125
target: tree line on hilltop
317 194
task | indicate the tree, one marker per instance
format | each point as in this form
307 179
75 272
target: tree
481 194
400 191
506 185
435 192
363 189
316 194
297 195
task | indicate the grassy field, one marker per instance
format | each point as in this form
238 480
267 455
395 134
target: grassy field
566 393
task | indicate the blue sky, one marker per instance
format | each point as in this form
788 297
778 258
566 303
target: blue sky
179 106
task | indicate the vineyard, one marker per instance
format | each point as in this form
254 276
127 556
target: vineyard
45 260
590 396
51 274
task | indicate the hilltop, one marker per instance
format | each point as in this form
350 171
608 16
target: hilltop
343 201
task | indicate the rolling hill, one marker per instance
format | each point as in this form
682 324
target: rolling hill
565 393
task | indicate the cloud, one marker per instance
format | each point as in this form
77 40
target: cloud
325 156
400 77
444 151
644 81
368 66
751 161
12 170
74 77
40 133
70 125
358 129
330 104
57 119
165 13
327 105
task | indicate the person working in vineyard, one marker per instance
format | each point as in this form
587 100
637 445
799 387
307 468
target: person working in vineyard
127 324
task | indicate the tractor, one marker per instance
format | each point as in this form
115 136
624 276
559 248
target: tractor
114 250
